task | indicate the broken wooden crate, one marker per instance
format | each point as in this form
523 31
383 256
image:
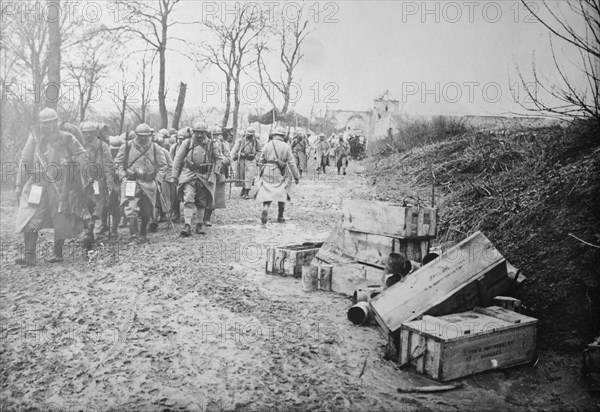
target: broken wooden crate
368 233
288 260
453 346
469 274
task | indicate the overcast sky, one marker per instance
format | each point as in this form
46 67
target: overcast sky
435 57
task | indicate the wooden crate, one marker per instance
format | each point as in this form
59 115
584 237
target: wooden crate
470 274
384 219
453 346
288 260
347 246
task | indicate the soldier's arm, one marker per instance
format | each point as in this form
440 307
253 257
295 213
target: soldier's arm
26 163
178 160
259 149
235 150
78 155
291 162
217 156
226 154
119 161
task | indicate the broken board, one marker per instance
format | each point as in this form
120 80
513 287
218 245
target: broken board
471 273
346 246
457 345
384 219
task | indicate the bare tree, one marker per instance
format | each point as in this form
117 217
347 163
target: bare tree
86 73
145 78
155 21
232 52
179 107
290 36
54 41
564 97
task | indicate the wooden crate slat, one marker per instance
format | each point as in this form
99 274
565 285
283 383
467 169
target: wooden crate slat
384 219
436 282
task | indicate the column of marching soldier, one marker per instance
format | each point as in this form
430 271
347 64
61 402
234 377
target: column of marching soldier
72 178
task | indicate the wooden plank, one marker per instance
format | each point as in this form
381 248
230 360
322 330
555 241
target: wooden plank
332 250
385 219
436 282
347 278
506 315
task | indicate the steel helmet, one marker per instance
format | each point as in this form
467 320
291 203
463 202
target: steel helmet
217 131
88 127
163 133
130 135
280 131
181 134
250 131
200 127
47 115
143 130
116 141
172 131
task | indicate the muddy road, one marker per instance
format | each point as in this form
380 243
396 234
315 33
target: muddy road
195 324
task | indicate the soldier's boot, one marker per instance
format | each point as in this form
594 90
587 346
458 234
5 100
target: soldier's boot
188 214
153 226
104 229
207 216
114 230
144 230
281 209
199 217
58 251
133 228
30 240
265 213
88 239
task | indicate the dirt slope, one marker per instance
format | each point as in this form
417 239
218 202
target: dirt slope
526 191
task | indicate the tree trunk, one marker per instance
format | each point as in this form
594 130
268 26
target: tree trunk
179 107
236 104
227 102
123 108
52 92
162 106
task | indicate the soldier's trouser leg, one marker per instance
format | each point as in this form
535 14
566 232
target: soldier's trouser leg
30 241
145 214
281 209
189 202
132 210
58 251
251 171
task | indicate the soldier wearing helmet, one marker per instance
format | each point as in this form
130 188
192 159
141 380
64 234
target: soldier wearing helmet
181 135
300 150
219 199
164 206
322 147
196 165
278 172
54 199
246 152
140 163
98 175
